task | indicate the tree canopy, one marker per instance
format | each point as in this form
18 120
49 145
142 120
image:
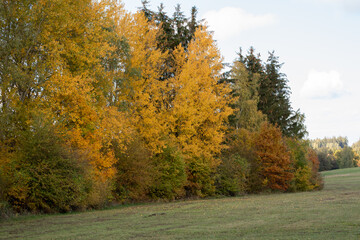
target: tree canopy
100 105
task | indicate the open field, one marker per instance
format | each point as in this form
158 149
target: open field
333 213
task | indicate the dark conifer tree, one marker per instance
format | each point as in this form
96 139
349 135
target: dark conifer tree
175 30
274 100
252 62
274 93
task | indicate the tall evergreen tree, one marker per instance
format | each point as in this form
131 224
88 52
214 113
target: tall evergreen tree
253 62
175 30
274 93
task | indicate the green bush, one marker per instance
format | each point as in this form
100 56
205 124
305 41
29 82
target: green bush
135 172
301 180
305 166
239 171
4 184
232 174
5 208
200 178
45 174
100 194
171 175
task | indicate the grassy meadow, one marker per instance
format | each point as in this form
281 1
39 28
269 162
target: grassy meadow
333 213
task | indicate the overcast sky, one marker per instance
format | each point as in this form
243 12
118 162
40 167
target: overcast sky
318 41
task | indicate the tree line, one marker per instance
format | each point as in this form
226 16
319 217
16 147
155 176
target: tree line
335 153
101 105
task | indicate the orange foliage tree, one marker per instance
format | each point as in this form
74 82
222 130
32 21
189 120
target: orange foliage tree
274 159
76 40
316 179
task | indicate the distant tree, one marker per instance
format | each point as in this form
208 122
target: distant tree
327 161
356 147
335 153
332 144
345 158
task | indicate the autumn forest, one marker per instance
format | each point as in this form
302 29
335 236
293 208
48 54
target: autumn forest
99 105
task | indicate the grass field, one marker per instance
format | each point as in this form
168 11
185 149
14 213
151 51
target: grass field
333 213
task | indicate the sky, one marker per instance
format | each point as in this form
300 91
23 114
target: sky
317 40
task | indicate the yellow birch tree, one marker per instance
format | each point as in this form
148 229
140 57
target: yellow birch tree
199 107
76 39
142 92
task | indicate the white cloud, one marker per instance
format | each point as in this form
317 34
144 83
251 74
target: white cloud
229 21
323 85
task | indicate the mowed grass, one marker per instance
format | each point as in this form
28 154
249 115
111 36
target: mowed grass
333 213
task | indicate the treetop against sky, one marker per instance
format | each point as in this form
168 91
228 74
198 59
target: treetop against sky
316 39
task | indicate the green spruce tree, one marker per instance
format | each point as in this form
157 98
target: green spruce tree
274 93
